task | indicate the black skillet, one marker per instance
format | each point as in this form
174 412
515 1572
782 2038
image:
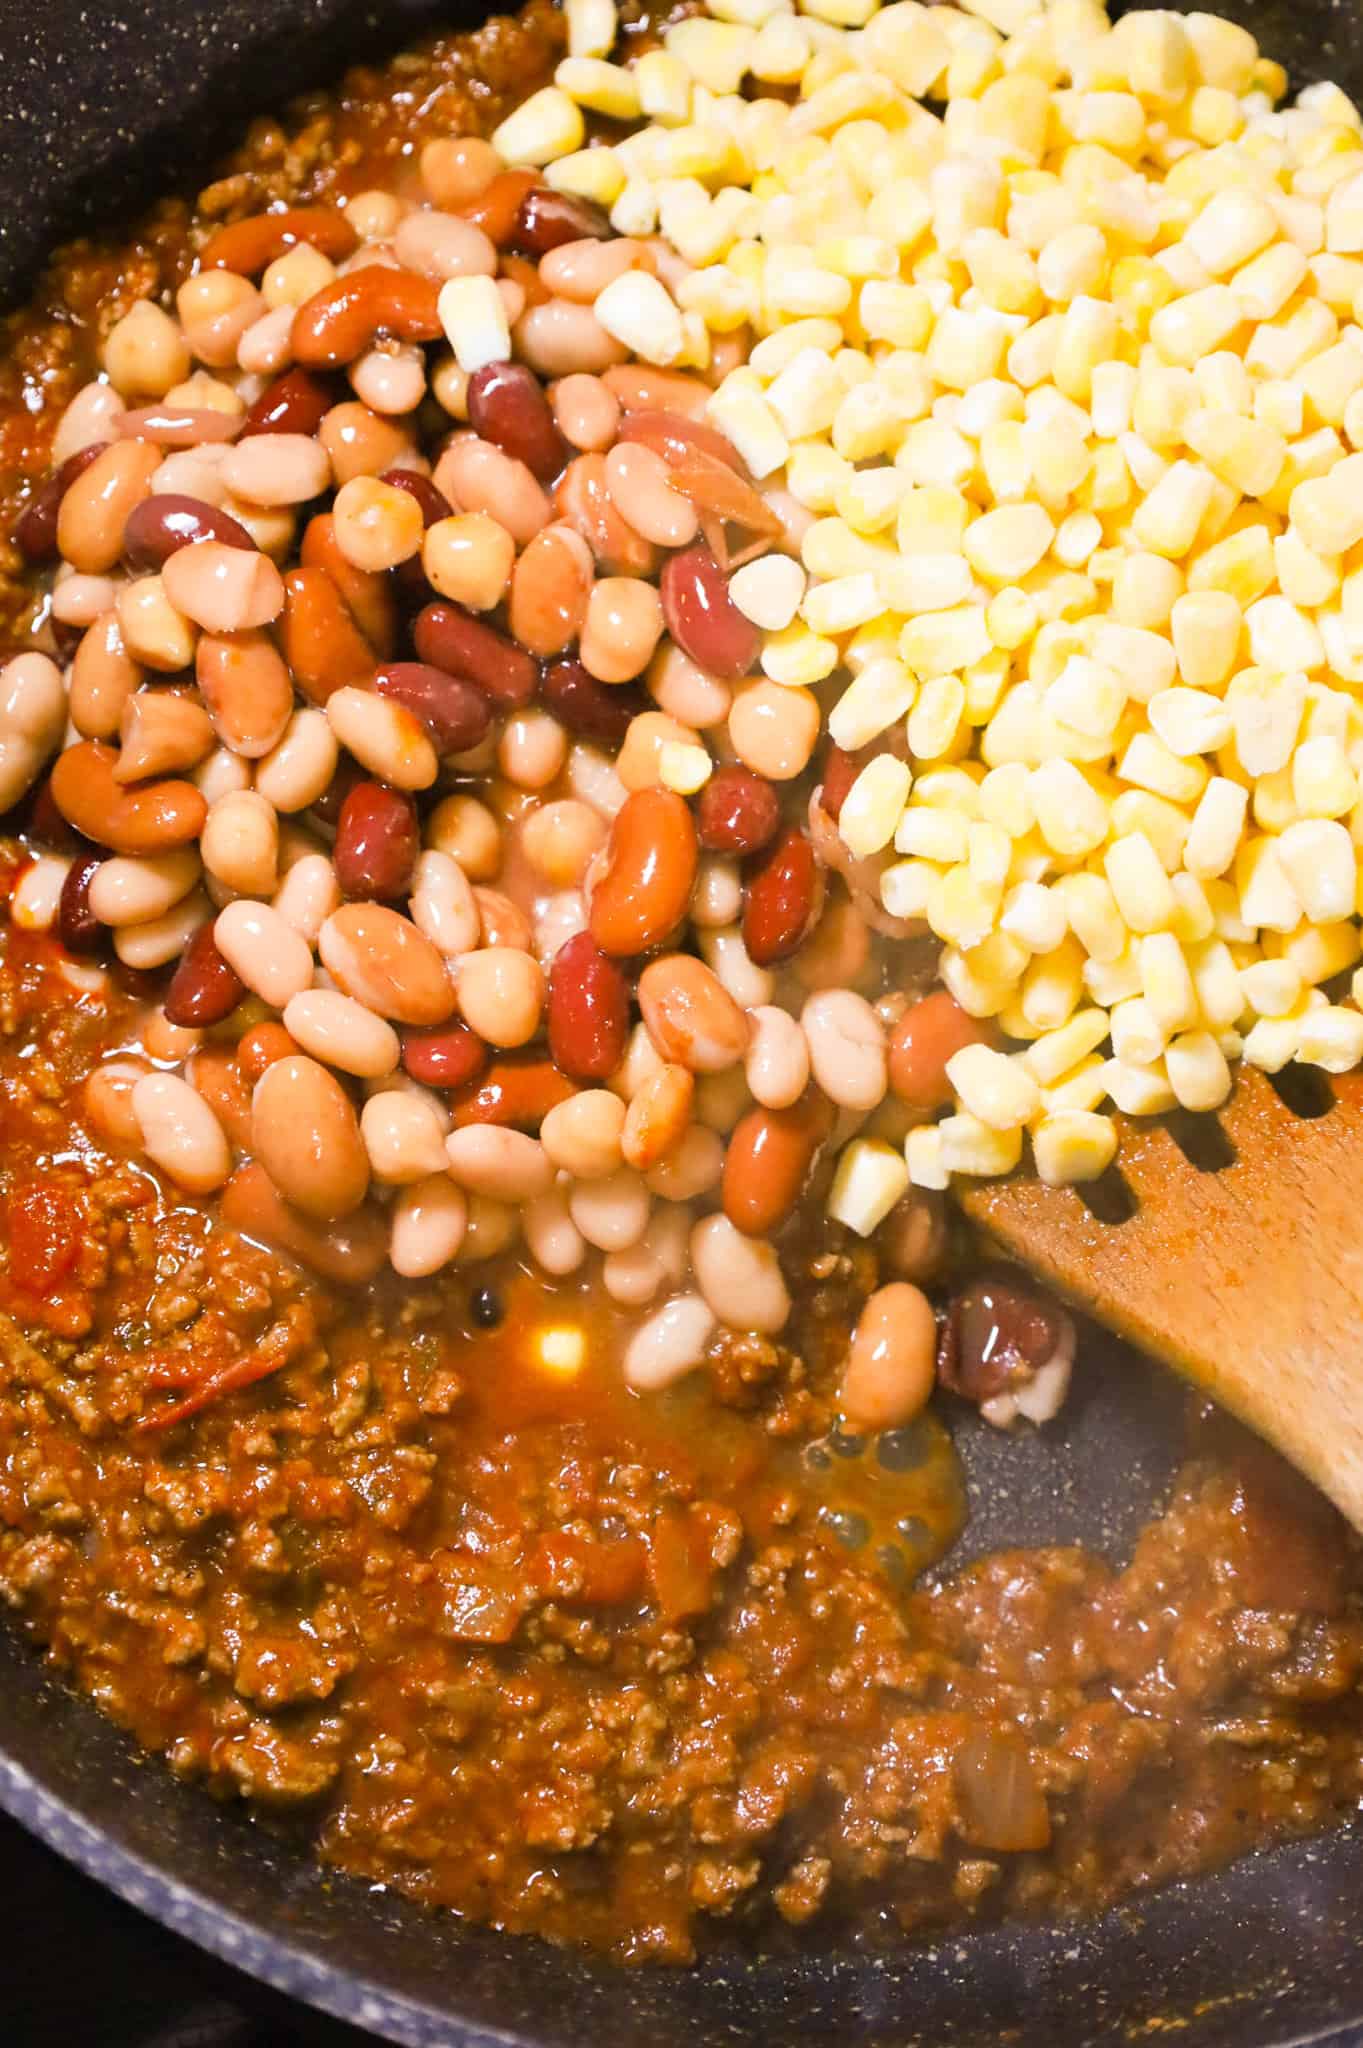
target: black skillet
97 108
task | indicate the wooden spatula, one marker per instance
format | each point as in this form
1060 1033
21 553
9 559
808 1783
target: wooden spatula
1244 1272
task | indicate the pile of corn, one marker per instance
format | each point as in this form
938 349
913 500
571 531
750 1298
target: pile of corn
1056 334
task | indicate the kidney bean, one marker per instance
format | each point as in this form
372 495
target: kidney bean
249 246
997 1335
547 219
305 1134
179 426
349 1254
35 535
840 771
151 819
326 807
587 707
588 1010
378 839
737 812
450 1058
295 403
433 502
768 1161
368 593
638 388
913 1240
702 617
929 1033
497 208
339 322
450 638
518 1090
161 525
584 500
77 926
780 899
650 865
891 1362
203 989
320 641
453 711
383 961
507 406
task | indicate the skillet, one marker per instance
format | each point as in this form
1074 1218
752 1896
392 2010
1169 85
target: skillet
98 110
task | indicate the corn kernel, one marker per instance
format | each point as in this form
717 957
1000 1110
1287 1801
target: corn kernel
545 126
972 1148
873 805
870 1178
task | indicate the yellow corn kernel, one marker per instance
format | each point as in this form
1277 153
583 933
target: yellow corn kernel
545 126
1073 1145
874 804
870 1178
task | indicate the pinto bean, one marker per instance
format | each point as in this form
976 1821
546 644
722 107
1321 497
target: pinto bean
657 1117
650 865
477 476
638 481
550 585
180 426
341 320
246 689
203 989
96 507
295 403
349 1254
103 677
367 593
931 1032
702 617
639 388
247 246
383 961
585 412
378 839
454 713
35 534
305 1134
545 220
780 899
442 245
892 1360
501 922
150 819
320 641
691 1017
768 1161
450 638
107 1100
583 498
588 1010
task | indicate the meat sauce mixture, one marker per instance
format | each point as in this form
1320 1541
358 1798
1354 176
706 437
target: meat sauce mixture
498 1631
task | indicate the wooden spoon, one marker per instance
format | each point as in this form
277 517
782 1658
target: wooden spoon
1243 1271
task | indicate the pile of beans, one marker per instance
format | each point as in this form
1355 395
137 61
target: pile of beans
404 723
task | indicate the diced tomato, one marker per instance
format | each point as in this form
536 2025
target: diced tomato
43 1232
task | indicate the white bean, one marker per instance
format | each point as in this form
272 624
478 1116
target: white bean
429 1221
846 1043
777 1068
443 904
740 1277
670 1344
404 1137
338 1030
612 1212
308 894
554 1239
267 953
180 1133
135 888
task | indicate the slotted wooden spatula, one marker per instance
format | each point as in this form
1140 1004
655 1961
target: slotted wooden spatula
1244 1273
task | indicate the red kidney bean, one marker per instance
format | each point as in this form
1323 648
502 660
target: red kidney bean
497 208
677 439
35 536
250 245
518 1089
378 839
78 928
702 617
596 711
203 989
330 803
433 502
928 1034
339 322
507 406
450 638
368 593
588 1010
296 403
547 219
779 899
650 866
318 636
996 1335
447 1058
738 812
840 771
453 710
159 527
768 1160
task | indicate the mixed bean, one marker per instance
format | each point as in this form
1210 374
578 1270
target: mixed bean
392 706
